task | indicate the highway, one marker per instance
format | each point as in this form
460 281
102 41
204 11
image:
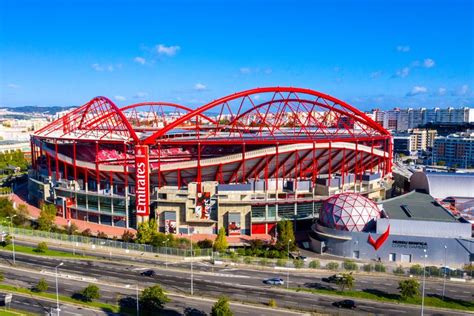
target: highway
237 284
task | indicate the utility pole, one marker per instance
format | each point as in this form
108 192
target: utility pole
57 289
288 267
13 237
424 279
445 270
192 275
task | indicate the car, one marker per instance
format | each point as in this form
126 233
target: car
148 273
302 258
333 278
345 304
274 281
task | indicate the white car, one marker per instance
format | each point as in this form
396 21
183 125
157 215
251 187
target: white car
274 281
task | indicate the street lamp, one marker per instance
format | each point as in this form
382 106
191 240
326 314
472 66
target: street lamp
57 289
13 238
288 268
192 275
166 252
138 302
445 270
424 278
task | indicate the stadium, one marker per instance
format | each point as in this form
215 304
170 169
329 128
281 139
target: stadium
243 162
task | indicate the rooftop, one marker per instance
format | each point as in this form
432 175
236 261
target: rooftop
416 206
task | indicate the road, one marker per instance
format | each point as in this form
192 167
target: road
239 285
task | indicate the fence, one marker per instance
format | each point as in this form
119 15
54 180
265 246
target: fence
99 242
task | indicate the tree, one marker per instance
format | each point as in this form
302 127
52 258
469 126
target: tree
42 286
399 270
22 214
127 236
441 163
409 288
416 269
146 231
350 265
205 244
346 280
221 308
153 299
42 247
71 229
90 293
47 217
379 267
298 263
102 235
220 244
86 232
285 234
368 267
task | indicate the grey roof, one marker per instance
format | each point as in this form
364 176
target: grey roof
444 184
416 206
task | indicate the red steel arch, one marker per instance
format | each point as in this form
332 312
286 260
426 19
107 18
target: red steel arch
272 116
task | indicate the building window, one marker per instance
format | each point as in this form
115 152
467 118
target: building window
392 257
405 258
355 254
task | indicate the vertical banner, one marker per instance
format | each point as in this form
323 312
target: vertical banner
142 181
233 227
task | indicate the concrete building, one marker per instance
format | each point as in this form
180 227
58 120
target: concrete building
456 150
399 230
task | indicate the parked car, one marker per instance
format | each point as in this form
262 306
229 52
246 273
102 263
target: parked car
333 278
304 258
345 304
148 273
274 281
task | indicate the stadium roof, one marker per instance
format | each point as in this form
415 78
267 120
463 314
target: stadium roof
441 185
416 206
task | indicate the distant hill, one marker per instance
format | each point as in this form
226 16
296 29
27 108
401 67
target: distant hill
38 109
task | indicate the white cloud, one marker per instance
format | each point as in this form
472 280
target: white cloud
120 98
464 89
13 86
200 87
140 95
442 91
403 48
109 68
428 63
245 70
417 90
402 73
167 50
140 60
376 74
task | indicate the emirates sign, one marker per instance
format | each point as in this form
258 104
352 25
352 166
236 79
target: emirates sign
142 181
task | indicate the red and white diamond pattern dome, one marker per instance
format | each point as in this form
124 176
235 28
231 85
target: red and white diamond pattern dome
348 211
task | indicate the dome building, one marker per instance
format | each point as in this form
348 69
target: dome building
349 212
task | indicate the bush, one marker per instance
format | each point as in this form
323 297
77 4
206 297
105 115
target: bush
281 262
102 235
247 260
153 299
433 271
221 308
416 269
263 262
298 263
90 293
350 265
332 266
399 270
42 286
409 288
379 267
2 276
272 303
41 248
86 232
127 236
368 267
315 264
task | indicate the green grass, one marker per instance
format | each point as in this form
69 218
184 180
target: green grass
13 312
104 306
376 295
49 252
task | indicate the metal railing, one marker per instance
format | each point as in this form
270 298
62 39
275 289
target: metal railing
101 243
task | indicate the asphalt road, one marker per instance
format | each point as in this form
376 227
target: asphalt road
238 284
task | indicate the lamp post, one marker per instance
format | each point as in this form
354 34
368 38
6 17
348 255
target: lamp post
166 252
13 237
423 288
445 270
288 268
136 298
192 275
57 289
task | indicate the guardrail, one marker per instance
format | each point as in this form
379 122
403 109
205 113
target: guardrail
100 242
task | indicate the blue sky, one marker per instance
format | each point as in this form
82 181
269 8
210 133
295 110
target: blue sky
368 53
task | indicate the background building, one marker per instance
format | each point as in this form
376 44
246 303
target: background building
234 163
455 150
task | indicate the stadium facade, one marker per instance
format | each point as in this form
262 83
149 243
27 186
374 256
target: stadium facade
243 162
